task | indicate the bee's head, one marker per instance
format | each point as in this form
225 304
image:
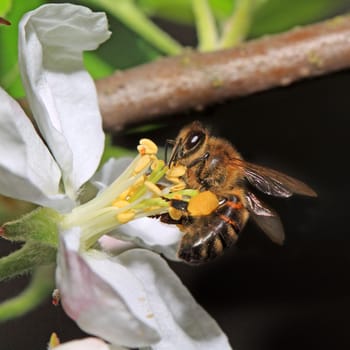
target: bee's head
189 143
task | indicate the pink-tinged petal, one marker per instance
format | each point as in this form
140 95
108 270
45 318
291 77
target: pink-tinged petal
85 344
183 324
27 169
115 246
153 234
60 92
102 296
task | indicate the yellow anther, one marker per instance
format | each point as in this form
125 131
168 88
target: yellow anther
176 171
174 180
54 341
153 188
142 163
157 163
178 187
152 208
204 203
126 216
120 203
124 195
139 182
147 146
175 214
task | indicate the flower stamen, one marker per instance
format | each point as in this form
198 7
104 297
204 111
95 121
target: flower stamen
134 194
147 146
153 188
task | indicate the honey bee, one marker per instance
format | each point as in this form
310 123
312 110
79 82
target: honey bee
213 164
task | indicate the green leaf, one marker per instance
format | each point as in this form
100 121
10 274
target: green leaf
9 72
40 287
5 6
222 9
279 15
180 11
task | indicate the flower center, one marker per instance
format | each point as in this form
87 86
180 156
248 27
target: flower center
136 193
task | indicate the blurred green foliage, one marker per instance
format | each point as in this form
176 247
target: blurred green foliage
271 15
280 15
5 6
126 48
9 73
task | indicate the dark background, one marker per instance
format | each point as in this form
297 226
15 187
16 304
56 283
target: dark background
263 296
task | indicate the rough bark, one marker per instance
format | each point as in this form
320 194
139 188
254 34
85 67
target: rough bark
194 80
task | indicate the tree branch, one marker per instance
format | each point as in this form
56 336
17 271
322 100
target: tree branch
194 80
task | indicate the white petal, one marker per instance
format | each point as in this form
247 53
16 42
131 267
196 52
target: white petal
110 171
84 344
61 93
27 169
102 296
183 324
151 233
114 246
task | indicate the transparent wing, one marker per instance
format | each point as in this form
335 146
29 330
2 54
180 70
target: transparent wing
266 218
273 182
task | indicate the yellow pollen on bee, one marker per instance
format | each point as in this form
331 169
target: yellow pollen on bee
153 188
126 216
175 214
176 171
147 146
142 164
204 203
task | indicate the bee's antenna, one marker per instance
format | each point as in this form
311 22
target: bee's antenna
168 143
175 152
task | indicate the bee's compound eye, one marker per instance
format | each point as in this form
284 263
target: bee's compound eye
194 139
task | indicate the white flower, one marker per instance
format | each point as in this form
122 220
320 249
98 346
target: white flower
63 100
86 344
131 299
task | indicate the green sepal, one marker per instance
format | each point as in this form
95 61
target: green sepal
26 259
40 225
40 287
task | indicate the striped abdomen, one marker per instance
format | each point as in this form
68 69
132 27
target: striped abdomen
206 237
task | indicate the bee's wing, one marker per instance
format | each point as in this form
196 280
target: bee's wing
266 218
273 182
